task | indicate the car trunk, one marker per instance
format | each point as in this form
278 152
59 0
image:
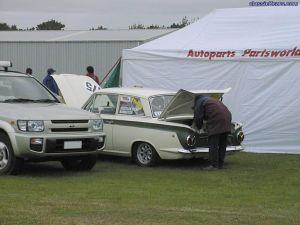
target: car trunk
181 108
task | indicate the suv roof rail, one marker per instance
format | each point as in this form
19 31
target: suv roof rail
5 64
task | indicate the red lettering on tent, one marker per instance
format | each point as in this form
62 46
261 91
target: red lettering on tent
289 51
219 54
275 53
283 53
191 53
212 55
246 52
267 54
252 54
206 54
197 53
294 50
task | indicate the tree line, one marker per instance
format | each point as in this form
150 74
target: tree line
49 25
56 25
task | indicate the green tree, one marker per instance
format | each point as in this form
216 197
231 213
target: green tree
50 25
136 26
99 28
152 26
31 28
184 22
13 27
5 26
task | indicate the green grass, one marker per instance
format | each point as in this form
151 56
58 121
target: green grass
253 189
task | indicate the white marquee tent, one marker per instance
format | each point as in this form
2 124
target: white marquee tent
255 51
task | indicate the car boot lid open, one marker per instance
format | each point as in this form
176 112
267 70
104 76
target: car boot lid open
181 105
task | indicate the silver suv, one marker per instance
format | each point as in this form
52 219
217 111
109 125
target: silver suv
35 126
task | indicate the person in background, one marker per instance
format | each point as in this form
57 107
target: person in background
29 71
49 82
218 120
90 73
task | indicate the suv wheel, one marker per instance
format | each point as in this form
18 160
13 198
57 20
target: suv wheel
9 164
83 163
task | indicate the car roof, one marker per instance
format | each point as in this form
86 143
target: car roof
137 91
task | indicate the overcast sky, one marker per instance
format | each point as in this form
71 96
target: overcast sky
112 14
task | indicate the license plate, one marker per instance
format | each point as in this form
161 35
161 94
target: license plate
72 144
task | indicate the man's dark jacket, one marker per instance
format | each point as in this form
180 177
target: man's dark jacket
216 114
50 83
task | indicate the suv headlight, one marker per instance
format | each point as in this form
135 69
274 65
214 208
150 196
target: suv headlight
31 125
97 124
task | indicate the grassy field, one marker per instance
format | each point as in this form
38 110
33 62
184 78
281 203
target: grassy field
253 189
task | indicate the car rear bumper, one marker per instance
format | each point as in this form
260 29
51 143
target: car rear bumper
171 153
206 150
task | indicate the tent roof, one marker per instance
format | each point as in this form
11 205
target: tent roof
236 28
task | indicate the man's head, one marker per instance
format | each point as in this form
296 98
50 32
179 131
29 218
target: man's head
200 100
29 71
90 69
50 71
198 97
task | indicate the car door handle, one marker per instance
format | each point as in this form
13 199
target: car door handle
108 121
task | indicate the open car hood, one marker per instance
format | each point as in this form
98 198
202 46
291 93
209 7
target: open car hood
75 89
182 104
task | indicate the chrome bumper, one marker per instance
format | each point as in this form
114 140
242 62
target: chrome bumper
206 150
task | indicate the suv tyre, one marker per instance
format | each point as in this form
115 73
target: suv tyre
9 164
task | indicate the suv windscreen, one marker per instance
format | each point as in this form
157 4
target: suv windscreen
23 89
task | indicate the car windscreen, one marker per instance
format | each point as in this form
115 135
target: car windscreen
23 89
158 103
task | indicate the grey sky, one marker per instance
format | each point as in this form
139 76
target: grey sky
113 14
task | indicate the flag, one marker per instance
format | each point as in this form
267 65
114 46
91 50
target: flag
114 77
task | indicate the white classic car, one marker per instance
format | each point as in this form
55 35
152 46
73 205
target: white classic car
149 124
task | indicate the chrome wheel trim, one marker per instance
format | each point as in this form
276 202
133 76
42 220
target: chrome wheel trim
144 153
4 155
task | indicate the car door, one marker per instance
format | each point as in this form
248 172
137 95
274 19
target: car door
105 105
128 123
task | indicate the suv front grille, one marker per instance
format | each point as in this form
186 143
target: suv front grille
68 129
69 121
59 126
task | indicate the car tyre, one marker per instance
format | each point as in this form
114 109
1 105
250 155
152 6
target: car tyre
9 164
84 163
144 154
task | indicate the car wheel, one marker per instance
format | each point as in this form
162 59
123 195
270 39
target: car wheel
83 163
145 155
9 164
